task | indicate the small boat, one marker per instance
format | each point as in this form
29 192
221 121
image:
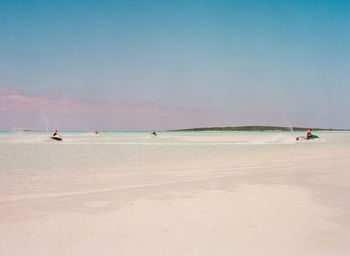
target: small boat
57 137
312 137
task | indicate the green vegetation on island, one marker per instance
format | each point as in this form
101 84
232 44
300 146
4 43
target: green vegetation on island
254 129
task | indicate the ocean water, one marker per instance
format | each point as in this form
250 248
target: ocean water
33 164
300 187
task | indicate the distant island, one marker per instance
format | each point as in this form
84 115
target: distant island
254 129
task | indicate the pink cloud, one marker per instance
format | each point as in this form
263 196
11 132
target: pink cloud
15 100
21 109
7 91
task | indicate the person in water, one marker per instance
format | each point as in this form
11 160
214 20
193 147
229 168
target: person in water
308 134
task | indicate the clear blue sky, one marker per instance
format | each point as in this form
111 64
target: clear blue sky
209 62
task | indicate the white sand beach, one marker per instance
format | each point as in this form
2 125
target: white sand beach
182 194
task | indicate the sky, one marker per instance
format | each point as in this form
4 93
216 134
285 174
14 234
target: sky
144 65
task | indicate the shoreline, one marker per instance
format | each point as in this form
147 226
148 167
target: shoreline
258 129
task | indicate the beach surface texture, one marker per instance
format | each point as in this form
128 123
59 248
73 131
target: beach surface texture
176 194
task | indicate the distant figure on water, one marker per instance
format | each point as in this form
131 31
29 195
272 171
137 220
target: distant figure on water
154 133
308 134
56 136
